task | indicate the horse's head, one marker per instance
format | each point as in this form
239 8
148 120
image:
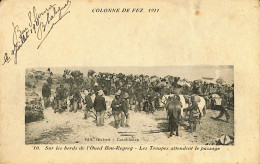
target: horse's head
187 99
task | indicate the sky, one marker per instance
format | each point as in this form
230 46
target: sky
188 72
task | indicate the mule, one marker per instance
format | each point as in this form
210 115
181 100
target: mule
174 111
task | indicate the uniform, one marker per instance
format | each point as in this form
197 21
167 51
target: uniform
139 100
131 97
100 107
75 100
46 93
218 106
89 105
193 115
60 96
116 110
125 113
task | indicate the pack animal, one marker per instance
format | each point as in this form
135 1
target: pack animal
174 111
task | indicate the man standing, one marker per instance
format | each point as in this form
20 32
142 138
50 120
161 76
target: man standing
100 107
116 109
139 99
75 100
46 93
125 109
60 95
131 96
194 114
218 106
88 102
151 99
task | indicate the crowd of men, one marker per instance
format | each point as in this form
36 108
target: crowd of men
132 92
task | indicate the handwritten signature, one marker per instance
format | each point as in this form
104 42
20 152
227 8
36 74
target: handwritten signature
40 24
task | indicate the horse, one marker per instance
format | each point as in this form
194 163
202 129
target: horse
174 111
186 102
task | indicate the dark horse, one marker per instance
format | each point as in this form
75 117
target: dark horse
174 111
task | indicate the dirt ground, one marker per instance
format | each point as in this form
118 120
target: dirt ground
70 128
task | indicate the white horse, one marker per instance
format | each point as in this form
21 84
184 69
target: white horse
200 101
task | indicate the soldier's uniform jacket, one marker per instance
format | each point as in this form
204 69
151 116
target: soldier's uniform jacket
88 101
60 93
125 106
139 95
99 103
87 83
151 95
46 90
194 111
76 95
116 110
96 89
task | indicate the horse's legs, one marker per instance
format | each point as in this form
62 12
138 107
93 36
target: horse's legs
191 127
204 111
177 132
194 126
170 127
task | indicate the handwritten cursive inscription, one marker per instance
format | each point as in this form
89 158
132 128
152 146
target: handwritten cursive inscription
40 24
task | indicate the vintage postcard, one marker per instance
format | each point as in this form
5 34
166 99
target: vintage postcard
129 81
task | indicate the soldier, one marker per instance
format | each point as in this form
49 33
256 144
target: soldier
193 114
157 101
46 93
151 98
75 100
108 85
139 99
116 109
60 96
218 106
131 96
88 102
100 107
125 109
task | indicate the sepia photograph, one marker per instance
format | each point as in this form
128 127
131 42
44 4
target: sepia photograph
129 81
168 105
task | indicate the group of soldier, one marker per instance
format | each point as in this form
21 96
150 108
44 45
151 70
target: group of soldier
142 92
